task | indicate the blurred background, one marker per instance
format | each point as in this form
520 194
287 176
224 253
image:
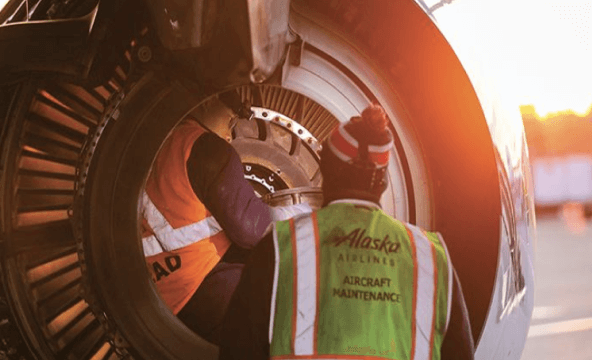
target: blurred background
537 56
560 146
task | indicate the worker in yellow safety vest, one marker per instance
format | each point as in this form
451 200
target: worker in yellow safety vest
196 206
348 281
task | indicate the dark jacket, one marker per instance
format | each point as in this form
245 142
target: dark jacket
217 178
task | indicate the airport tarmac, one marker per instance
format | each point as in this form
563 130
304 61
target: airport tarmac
561 326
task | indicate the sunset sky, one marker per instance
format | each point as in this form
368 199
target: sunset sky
536 51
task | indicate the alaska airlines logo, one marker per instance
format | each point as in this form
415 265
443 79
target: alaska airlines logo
357 240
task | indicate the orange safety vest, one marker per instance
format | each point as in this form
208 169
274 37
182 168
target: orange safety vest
182 241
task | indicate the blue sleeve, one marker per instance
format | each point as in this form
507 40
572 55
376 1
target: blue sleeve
217 178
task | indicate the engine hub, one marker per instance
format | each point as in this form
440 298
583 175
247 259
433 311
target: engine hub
277 151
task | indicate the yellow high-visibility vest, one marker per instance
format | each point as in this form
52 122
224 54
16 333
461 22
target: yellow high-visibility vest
351 282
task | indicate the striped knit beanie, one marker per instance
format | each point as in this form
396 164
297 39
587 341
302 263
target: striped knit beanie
356 154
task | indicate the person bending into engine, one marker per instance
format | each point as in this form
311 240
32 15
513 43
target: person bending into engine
196 206
348 280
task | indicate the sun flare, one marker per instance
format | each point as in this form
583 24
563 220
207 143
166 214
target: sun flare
535 51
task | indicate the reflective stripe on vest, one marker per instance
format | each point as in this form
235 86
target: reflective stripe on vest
425 278
181 240
166 238
304 235
297 319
